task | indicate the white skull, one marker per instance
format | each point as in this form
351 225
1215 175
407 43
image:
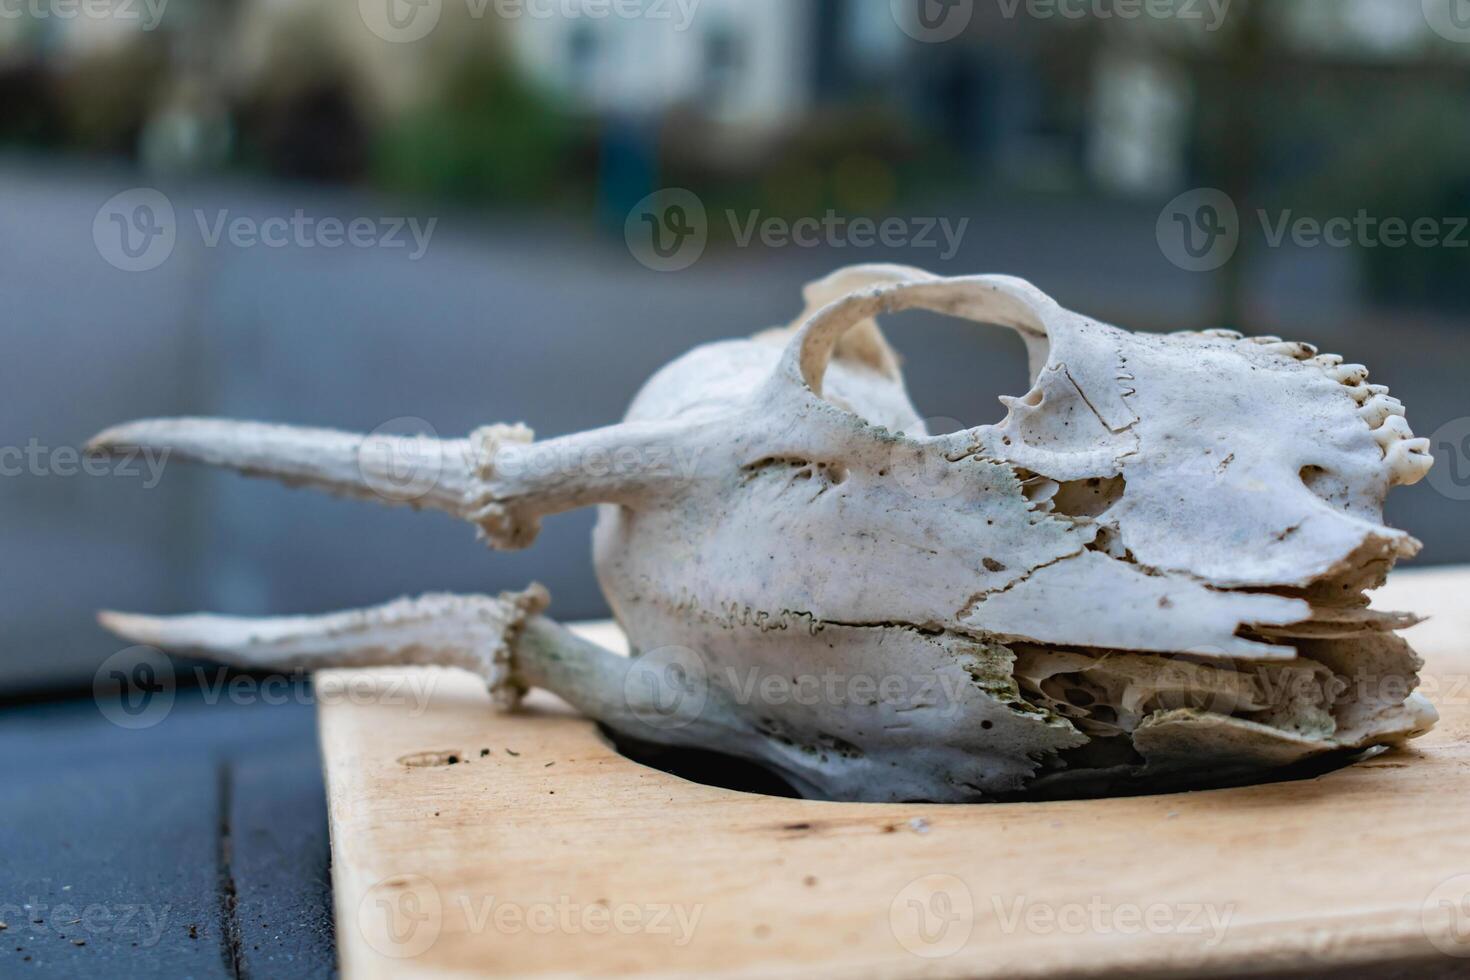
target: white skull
1151 570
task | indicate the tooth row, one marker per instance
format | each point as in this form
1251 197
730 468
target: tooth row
1406 457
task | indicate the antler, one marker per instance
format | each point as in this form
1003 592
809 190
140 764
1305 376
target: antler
496 479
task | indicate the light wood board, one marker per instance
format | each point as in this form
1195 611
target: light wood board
542 852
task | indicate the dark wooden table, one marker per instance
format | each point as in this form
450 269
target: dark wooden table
196 847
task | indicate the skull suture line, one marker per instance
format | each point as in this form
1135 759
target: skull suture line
1151 572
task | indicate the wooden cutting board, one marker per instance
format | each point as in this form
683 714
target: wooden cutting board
468 842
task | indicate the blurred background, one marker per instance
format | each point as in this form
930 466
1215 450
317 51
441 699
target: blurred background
435 214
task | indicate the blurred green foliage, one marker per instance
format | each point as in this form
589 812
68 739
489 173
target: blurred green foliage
489 139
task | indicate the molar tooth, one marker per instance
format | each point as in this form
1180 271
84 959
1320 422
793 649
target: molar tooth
1361 393
1265 341
1378 408
1351 375
1395 428
1327 360
1222 334
1408 461
1294 349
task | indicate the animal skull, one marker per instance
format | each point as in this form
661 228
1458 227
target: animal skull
1151 571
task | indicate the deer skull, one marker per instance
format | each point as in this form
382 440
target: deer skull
1152 570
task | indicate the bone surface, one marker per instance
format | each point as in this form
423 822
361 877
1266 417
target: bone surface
1151 573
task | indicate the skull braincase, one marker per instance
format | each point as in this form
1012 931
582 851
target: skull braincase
1152 569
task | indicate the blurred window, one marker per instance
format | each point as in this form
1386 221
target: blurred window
724 61
582 54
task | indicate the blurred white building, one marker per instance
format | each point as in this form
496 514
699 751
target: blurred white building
756 65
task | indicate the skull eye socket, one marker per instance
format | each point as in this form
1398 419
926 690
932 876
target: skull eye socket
996 301
956 373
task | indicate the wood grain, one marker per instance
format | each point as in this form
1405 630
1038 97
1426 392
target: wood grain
467 842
